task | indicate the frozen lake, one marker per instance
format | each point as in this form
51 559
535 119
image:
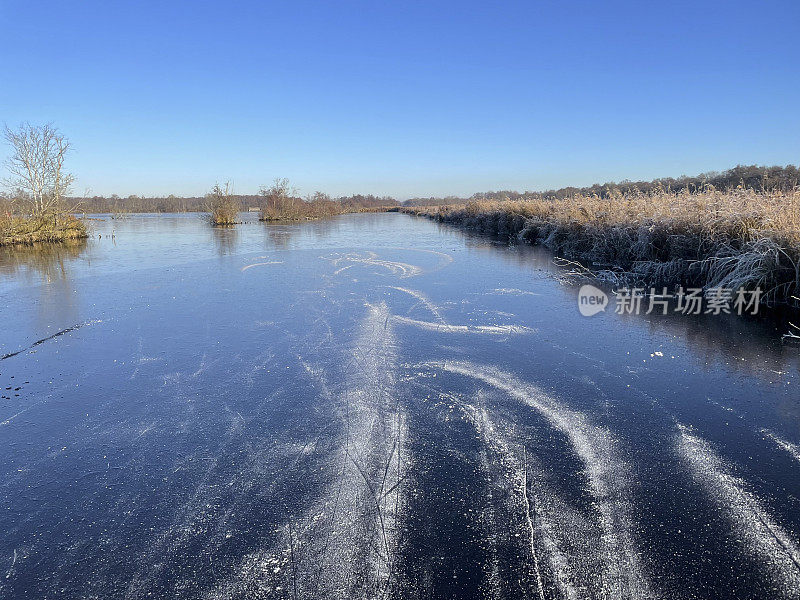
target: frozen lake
377 406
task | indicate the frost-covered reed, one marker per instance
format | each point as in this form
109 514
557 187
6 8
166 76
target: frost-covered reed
739 239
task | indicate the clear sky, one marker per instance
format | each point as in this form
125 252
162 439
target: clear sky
402 98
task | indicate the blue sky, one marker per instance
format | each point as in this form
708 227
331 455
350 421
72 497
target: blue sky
402 98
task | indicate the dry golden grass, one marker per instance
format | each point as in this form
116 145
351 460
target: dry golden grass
224 215
223 208
710 239
42 228
302 210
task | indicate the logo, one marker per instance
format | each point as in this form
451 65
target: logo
591 300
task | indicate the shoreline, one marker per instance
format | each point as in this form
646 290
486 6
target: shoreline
709 240
48 229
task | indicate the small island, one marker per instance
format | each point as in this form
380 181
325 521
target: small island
36 211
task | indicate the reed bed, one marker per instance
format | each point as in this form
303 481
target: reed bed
738 239
40 228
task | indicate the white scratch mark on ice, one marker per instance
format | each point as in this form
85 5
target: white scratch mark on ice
511 292
337 271
22 412
482 329
344 545
447 259
404 270
606 472
435 310
497 442
792 449
259 264
747 516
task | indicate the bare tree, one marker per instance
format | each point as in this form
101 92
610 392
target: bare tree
36 166
319 197
279 199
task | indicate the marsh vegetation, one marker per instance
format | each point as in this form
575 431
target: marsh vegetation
272 202
222 207
740 238
40 228
36 211
281 202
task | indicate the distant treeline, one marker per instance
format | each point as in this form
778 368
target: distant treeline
171 204
752 177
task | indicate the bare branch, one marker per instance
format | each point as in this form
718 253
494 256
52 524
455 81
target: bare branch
36 166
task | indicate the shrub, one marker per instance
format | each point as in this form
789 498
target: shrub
222 206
